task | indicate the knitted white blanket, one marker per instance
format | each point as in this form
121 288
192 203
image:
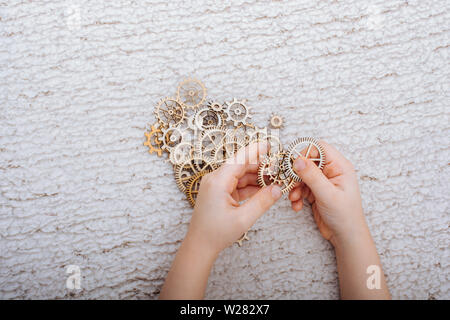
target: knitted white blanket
80 80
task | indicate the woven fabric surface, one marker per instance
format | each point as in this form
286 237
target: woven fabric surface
79 83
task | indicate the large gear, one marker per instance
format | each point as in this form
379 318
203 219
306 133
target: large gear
192 166
206 118
169 112
272 170
209 140
153 141
307 147
191 93
237 112
194 186
181 153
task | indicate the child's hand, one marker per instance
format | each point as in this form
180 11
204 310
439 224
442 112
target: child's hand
333 193
218 219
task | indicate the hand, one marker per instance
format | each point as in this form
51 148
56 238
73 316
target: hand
333 193
219 219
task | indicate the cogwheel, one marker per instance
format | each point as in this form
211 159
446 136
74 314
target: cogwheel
272 170
153 143
227 148
191 93
276 121
169 112
181 153
242 238
171 136
192 166
206 118
215 106
307 147
209 140
194 185
237 112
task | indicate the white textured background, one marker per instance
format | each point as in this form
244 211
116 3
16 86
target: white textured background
80 79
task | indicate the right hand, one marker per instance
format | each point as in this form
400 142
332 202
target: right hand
334 195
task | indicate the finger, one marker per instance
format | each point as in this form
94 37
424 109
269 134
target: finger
295 194
252 168
259 203
248 179
313 177
246 158
247 192
335 162
297 205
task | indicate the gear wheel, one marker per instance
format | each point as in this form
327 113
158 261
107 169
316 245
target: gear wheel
209 140
153 143
216 106
181 152
206 118
194 185
308 147
272 170
169 112
191 93
244 237
185 171
237 112
171 136
276 121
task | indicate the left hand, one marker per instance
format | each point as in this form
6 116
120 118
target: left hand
219 219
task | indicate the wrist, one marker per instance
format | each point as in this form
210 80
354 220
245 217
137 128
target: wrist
200 247
356 233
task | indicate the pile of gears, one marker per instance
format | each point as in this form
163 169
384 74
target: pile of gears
199 134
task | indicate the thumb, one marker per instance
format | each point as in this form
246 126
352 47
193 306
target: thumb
259 203
313 177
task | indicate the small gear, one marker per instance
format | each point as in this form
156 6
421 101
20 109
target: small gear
237 112
169 112
191 93
206 118
272 170
244 237
216 106
153 143
308 147
171 136
194 185
276 121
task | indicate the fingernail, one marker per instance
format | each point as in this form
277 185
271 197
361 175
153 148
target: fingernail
299 164
276 192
